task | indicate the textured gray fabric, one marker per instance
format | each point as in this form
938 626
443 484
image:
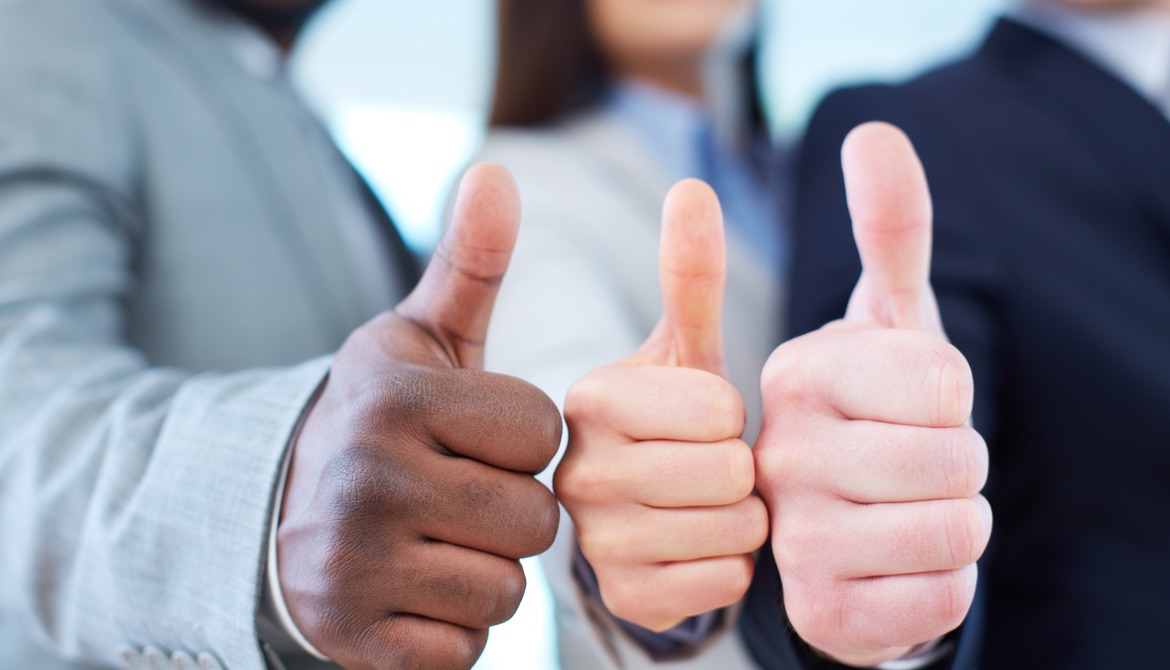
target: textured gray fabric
167 267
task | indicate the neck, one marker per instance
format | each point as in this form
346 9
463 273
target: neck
685 79
283 38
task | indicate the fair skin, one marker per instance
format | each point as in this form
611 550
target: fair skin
662 43
867 471
1162 6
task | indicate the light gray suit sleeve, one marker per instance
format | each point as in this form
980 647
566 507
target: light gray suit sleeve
134 500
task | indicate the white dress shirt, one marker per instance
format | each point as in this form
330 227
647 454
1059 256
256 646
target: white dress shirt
1133 45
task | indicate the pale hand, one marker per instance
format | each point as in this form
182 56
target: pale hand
866 460
656 478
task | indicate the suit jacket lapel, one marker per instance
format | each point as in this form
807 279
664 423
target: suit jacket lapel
406 264
1123 128
275 146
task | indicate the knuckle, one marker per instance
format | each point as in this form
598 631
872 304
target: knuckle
547 517
953 594
624 598
508 592
466 647
816 611
582 481
950 383
963 526
965 464
735 459
784 373
586 399
739 578
541 418
724 409
749 520
602 544
362 485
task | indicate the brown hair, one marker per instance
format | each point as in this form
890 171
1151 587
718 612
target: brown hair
548 65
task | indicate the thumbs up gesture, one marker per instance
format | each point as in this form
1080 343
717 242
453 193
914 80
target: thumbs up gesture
410 496
655 477
866 460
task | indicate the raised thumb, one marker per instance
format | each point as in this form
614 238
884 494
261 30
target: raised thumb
889 201
454 299
692 272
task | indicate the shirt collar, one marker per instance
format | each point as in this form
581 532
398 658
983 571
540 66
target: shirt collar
669 123
1134 45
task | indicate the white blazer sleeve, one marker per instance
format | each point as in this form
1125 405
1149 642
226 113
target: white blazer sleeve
581 292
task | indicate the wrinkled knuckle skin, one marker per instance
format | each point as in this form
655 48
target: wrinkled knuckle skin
952 597
739 579
625 599
964 532
965 462
601 544
783 371
548 429
546 513
817 614
950 383
363 485
579 482
740 467
508 592
725 410
586 399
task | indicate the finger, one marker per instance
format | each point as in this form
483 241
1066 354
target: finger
659 597
454 299
476 506
494 419
406 641
889 201
650 535
899 610
892 376
692 272
457 585
871 462
655 403
662 474
904 538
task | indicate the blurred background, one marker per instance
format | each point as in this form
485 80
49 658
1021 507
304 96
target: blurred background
404 88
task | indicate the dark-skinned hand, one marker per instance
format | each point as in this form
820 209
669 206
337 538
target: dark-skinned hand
411 495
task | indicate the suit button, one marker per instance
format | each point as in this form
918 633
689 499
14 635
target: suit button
208 662
153 659
131 658
181 660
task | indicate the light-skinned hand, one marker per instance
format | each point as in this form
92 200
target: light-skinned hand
867 463
655 477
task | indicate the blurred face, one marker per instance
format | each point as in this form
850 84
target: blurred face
1113 5
641 34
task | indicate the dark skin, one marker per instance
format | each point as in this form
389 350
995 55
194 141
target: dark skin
411 495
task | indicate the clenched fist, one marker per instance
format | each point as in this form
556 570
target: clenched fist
410 497
866 460
655 476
